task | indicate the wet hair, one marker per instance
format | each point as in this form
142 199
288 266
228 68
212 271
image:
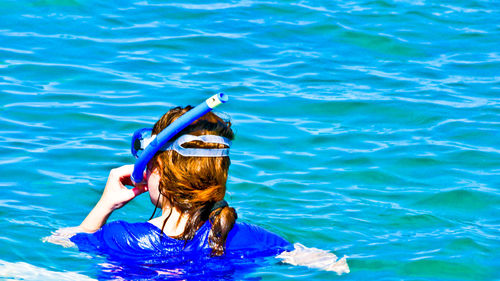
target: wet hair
193 185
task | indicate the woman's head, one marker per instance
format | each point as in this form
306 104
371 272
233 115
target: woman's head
193 184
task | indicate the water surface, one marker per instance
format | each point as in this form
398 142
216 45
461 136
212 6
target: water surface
367 128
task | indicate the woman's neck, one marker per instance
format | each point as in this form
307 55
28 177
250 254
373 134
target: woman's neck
175 224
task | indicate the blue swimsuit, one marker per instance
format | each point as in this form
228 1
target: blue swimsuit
143 240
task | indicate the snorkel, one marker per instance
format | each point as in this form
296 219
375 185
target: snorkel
164 136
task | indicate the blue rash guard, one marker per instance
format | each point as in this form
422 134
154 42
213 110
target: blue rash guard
143 241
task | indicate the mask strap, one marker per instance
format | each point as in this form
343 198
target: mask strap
156 206
199 152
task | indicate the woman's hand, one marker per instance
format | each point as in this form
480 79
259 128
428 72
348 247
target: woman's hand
115 196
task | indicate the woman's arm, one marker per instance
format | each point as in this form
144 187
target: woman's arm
96 218
114 196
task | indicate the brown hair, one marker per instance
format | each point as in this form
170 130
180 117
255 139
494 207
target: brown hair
194 184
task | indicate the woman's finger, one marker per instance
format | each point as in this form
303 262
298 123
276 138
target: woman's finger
140 189
126 180
118 173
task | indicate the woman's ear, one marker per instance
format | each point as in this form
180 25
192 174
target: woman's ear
156 171
154 168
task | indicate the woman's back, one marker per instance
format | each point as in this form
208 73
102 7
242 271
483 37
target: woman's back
120 238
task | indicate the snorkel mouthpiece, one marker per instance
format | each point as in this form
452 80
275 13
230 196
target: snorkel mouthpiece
178 125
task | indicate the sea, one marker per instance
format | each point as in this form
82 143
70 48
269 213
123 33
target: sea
367 128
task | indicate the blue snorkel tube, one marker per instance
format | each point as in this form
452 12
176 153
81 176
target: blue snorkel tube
174 128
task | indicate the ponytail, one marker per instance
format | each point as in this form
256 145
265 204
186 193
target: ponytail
222 218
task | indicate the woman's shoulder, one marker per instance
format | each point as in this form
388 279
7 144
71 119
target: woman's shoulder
252 238
119 236
124 229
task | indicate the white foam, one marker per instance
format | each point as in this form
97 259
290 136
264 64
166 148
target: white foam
26 271
315 258
62 236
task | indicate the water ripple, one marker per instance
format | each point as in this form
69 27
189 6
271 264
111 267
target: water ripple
120 40
371 127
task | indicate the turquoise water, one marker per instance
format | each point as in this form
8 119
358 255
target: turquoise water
367 128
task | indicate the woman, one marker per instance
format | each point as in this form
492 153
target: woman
190 191
187 180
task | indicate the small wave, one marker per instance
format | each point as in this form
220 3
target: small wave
14 160
26 271
18 206
207 7
16 51
461 200
66 36
25 124
127 77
